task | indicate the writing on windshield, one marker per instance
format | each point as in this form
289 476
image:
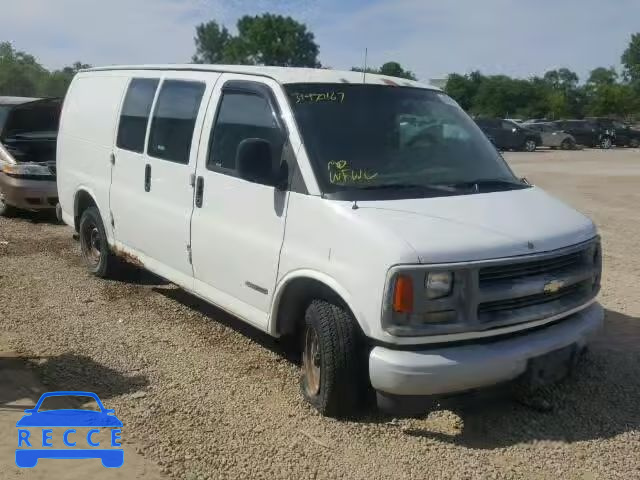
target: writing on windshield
340 173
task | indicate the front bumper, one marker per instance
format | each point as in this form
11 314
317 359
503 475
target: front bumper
453 369
29 194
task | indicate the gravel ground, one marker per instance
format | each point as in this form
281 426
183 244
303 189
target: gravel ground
204 396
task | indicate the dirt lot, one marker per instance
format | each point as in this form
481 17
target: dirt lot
202 396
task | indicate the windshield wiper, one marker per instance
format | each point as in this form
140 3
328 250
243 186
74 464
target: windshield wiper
489 184
403 186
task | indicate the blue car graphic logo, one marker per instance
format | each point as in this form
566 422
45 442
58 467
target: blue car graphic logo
33 444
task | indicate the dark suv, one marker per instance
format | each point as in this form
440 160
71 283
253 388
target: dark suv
625 136
508 135
589 133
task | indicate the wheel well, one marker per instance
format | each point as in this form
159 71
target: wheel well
82 202
295 299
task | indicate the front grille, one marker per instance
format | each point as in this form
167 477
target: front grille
515 271
578 291
517 292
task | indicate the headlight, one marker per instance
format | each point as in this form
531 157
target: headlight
438 284
26 170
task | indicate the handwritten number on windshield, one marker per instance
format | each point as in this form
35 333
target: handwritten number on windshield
319 97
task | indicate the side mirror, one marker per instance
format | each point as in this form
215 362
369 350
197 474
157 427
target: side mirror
254 161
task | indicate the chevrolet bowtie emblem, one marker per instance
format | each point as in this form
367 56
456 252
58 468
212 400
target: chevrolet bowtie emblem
553 286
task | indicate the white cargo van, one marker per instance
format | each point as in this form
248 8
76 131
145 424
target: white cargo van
368 217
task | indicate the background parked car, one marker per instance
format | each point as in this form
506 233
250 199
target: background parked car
625 136
508 135
588 132
552 137
535 120
28 132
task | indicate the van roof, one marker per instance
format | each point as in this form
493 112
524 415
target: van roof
283 75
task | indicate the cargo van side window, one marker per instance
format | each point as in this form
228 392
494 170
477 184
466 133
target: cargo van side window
242 115
174 119
135 114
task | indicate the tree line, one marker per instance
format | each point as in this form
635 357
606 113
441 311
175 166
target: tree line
278 40
21 75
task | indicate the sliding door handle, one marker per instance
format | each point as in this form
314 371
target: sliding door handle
199 191
147 178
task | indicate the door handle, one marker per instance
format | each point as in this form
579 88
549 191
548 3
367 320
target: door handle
147 178
199 191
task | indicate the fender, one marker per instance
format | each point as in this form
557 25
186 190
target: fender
320 277
105 221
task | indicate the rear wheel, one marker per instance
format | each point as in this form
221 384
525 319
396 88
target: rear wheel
606 143
568 144
93 243
6 210
333 363
634 143
530 145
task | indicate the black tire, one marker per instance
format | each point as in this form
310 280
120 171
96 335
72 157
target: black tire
634 143
93 243
6 210
341 380
529 145
606 143
568 144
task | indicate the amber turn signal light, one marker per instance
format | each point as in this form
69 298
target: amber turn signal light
403 295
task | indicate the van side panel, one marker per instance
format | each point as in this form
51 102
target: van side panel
85 141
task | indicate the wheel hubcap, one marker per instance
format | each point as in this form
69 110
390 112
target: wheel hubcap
91 244
311 361
531 146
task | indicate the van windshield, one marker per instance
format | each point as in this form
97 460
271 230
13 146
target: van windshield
383 138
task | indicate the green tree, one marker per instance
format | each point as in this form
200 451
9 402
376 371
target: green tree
212 43
394 69
631 61
261 40
602 76
58 81
562 79
613 100
20 74
391 69
463 88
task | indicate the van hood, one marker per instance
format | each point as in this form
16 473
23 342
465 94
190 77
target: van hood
480 226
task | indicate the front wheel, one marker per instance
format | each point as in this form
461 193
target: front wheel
93 243
568 144
634 143
530 145
333 363
606 143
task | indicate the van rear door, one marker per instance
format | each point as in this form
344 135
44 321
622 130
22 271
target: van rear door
127 198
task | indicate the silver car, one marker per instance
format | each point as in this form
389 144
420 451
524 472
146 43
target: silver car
28 131
552 137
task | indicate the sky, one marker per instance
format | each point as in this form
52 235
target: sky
431 38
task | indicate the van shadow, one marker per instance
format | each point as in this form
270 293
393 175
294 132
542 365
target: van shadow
23 380
600 400
130 274
281 347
